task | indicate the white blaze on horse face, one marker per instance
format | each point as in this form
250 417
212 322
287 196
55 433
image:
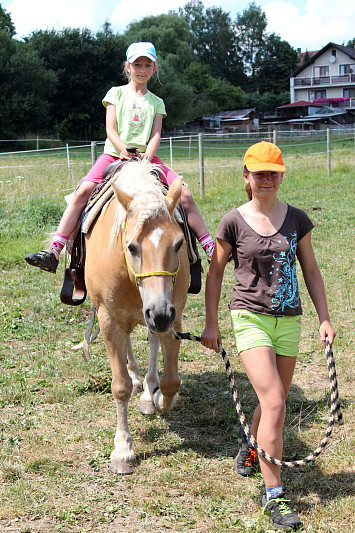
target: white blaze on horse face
156 236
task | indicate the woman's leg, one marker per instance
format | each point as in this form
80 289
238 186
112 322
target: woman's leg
271 377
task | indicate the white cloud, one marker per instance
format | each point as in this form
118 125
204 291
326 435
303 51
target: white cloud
123 14
306 24
313 26
39 15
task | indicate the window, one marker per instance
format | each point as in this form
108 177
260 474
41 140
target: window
316 95
349 93
320 71
346 69
334 53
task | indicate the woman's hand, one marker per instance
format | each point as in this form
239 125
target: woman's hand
326 330
211 338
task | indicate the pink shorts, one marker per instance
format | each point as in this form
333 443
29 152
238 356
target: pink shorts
95 174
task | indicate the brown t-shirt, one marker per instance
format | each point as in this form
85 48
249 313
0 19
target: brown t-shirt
265 267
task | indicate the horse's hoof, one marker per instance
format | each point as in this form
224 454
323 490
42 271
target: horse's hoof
123 467
147 408
137 389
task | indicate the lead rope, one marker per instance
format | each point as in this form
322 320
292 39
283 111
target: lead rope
335 408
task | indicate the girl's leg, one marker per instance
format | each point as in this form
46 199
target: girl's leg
271 377
193 214
48 259
73 211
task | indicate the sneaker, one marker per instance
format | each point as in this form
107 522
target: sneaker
282 515
46 260
247 459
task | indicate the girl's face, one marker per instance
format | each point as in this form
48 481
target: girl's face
141 70
263 182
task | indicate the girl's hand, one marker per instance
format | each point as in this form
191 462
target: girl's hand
326 330
211 337
127 156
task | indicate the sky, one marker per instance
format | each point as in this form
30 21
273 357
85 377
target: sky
305 24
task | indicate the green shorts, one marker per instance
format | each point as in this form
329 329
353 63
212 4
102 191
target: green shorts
253 330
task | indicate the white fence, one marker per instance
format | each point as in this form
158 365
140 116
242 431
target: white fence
183 147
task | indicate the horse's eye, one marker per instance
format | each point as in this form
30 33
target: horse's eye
178 243
133 248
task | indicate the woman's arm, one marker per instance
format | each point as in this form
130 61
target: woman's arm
154 139
211 336
315 286
111 130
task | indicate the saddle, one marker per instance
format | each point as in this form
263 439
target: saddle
74 289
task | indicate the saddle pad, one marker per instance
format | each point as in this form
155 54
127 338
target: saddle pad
94 207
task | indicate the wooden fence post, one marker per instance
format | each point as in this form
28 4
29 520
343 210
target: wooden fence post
201 165
93 152
68 158
171 152
328 152
274 135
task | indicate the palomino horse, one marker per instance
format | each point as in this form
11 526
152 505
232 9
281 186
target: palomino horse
137 272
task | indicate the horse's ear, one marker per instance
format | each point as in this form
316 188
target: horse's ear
174 194
124 198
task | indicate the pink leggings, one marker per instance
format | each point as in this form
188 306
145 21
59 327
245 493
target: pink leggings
95 174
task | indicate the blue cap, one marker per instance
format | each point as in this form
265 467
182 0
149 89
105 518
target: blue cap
136 50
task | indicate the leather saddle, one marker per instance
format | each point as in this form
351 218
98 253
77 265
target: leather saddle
74 289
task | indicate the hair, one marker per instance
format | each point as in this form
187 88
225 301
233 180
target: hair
247 187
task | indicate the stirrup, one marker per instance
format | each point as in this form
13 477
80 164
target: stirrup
74 289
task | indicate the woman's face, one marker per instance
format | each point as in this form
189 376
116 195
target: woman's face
263 182
141 70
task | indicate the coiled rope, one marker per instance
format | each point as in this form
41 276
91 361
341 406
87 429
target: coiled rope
335 409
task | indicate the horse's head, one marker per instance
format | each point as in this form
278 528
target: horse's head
152 241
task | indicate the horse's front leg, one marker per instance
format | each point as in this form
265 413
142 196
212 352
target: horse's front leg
151 380
123 459
133 369
166 396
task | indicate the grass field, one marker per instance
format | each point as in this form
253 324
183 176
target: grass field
57 418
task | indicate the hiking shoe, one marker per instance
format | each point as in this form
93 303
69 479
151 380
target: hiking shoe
247 459
282 515
46 260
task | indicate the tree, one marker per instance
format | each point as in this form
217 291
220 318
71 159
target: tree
351 43
6 22
25 89
279 60
177 95
86 66
250 29
211 94
170 35
215 43
266 101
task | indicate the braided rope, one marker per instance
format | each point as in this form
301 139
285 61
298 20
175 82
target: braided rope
335 408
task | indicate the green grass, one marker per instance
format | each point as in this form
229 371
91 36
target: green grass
58 417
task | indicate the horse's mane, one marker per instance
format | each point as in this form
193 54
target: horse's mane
137 179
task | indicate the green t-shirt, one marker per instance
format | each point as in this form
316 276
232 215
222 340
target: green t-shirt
135 115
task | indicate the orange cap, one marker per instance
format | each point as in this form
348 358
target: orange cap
264 156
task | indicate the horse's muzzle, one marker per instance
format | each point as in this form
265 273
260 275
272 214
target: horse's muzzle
159 319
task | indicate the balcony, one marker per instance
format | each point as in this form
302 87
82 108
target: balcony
324 80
